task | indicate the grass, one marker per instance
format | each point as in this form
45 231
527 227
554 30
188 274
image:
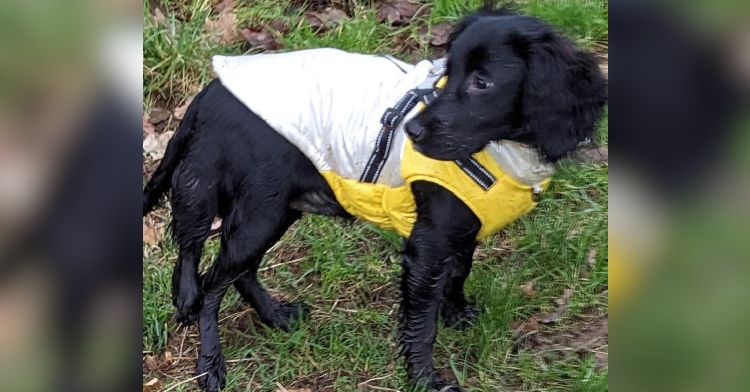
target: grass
349 274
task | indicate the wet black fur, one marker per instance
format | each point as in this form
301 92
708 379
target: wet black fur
225 161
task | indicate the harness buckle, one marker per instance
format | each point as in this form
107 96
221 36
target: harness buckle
391 118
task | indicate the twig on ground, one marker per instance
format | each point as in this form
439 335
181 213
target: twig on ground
272 266
185 382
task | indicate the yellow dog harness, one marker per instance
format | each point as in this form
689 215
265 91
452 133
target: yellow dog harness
341 116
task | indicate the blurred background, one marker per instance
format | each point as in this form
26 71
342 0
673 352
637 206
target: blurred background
679 211
70 280
71 177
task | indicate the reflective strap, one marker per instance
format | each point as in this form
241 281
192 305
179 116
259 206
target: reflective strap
391 120
477 172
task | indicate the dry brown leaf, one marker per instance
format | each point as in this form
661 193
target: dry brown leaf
222 28
168 357
159 17
152 235
179 112
326 20
591 257
567 294
156 144
528 289
150 360
148 128
159 115
259 37
562 308
531 324
152 385
279 26
440 34
398 12
223 6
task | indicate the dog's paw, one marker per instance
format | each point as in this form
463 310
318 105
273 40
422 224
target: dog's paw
287 314
214 373
188 304
462 318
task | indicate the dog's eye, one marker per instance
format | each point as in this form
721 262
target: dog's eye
478 83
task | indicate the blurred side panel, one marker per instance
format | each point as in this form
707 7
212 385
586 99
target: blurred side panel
679 195
70 181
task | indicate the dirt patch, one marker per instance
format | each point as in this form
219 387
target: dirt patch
320 381
583 337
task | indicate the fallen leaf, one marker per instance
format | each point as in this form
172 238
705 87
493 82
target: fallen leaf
591 257
155 144
529 325
223 6
567 294
259 37
148 128
440 34
159 115
179 112
279 25
152 385
222 28
159 17
150 360
152 235
562 308
326 20
528 289
398 12
168 357
532 324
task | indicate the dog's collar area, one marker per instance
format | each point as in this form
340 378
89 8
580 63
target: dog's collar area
425 93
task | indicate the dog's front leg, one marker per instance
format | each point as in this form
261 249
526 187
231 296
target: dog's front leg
445 228
422 284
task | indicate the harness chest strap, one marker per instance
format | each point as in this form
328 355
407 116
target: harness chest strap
424 94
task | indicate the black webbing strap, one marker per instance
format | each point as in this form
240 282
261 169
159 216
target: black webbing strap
477 172
391 120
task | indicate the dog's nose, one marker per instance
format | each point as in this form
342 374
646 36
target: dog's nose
414 129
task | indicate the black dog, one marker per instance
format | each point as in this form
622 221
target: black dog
510 77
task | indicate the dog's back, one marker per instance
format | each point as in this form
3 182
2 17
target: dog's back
326 102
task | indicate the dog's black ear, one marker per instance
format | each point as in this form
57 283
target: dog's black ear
563 94
488 10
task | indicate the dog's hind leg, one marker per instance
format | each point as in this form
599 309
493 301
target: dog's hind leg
273 313
457 312
247 233
193 208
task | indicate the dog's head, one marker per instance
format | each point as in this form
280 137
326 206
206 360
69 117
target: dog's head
511 77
